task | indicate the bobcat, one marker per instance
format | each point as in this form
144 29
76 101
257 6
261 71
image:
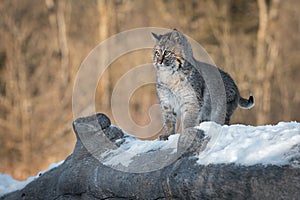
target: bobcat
182 88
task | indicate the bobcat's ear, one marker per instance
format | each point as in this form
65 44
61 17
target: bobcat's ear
176 36
156 36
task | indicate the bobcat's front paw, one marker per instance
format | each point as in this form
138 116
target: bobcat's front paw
163 137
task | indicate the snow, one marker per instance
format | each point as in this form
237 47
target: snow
249 145
133 147
9 184
239 144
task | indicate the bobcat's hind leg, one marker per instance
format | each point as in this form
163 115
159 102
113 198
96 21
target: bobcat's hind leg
230 108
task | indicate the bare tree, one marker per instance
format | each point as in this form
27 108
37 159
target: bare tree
266 55
107 27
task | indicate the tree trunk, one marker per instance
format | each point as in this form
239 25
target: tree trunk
107 13
63 44
266 55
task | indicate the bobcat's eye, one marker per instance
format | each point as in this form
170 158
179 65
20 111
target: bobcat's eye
167 53
157 53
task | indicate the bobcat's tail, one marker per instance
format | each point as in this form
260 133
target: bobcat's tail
247 103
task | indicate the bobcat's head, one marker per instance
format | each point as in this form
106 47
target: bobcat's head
171 50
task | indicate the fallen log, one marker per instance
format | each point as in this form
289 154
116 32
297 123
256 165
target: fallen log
100 167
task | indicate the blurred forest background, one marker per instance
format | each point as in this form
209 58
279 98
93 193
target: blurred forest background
42 44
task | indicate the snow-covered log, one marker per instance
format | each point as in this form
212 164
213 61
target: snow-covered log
110 164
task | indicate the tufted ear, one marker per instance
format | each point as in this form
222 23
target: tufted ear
156 36
176 36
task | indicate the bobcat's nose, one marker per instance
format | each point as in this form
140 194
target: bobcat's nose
160 59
